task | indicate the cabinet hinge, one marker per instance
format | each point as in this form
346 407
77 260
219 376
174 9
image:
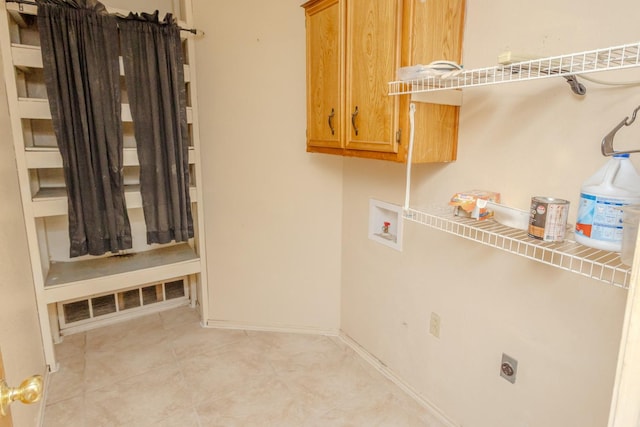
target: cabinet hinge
398 135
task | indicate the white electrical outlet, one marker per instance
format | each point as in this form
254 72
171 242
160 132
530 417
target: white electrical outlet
434 325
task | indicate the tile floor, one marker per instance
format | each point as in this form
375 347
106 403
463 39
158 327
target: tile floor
165 370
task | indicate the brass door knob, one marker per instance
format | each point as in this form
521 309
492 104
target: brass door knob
29 391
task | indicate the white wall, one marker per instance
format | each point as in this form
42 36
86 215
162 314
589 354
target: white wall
523 140
20 340
285 228
273 212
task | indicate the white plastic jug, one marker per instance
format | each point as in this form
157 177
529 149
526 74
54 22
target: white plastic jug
616 184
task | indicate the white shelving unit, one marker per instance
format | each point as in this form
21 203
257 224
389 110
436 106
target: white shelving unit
569 255
44 197
612 58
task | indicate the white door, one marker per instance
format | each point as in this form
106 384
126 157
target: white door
625 403
6 420
28 391
20 338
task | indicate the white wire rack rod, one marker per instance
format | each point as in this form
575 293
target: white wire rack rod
612 58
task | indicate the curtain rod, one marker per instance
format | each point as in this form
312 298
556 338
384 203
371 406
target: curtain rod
194 31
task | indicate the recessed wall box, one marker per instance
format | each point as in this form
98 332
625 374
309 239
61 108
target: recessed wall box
385 223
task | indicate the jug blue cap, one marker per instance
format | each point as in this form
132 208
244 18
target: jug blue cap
621 156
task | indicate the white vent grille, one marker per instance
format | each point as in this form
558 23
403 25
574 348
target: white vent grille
97 310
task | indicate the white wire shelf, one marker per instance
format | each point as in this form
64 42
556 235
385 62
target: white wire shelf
568 255
612 58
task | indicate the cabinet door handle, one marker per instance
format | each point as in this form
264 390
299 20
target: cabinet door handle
333 113
353 120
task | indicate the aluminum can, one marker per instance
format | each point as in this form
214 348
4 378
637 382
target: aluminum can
548 220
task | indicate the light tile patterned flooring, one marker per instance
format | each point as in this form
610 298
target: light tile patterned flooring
165 370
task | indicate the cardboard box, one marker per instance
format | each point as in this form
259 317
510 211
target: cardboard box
473 203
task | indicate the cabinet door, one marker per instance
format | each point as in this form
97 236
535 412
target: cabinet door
324 53
373 40
432 31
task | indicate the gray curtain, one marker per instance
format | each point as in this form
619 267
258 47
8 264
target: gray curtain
153 62
80 55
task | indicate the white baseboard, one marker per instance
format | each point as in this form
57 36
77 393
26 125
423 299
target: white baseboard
224 324
362 352
400 382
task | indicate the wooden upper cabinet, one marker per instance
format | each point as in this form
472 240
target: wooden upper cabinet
373 33
354 48
433 30
324 74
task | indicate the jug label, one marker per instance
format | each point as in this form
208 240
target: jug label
600 218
